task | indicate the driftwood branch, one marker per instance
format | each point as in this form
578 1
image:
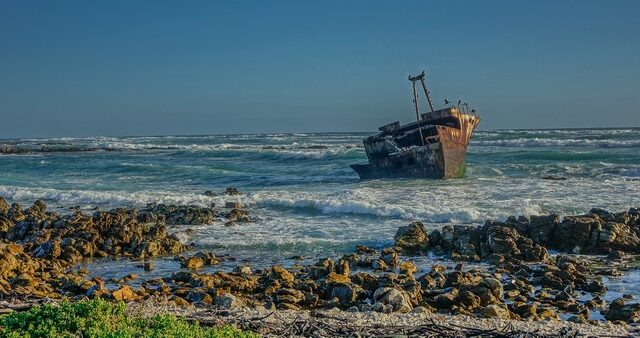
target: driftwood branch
327 326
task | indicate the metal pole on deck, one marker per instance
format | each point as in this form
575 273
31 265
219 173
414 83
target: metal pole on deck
415 101
426 93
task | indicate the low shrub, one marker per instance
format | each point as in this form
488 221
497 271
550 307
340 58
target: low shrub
99 318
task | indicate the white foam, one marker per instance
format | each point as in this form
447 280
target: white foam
283 149
356 203
546 142
108 198
313 153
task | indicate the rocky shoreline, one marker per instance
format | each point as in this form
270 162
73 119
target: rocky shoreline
40 251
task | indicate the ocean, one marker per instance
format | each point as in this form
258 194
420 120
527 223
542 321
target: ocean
305 199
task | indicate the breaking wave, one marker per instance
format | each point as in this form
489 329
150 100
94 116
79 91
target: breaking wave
352 205
108 198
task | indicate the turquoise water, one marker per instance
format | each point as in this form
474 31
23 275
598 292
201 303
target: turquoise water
304 197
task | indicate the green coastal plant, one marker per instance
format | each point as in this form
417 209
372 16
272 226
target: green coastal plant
101 319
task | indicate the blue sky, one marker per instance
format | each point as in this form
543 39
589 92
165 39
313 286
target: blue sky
82 68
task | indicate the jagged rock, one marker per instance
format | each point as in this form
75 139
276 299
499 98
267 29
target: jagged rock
49 249
412 238
506 241
398 299
181 214
232 191
335 277
460 240
408 268
283 275
577 234
96 290
124 293
208 258
618 310
238 215
5 226
468 300
541 228
618 236
379 264
390 257
4 206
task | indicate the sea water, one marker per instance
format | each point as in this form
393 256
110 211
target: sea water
304 198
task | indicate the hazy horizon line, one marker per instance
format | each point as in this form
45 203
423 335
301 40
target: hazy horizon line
296 132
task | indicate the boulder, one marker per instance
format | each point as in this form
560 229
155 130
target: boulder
508 242
390 257
408 268
124 294
398 299
526 310
496 311
379 264
412 238
618 236
290 296
468 300
238 215
494 286
228 301
618 310
344 292
192 263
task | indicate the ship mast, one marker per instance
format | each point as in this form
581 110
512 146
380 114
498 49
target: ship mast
413 79
415 102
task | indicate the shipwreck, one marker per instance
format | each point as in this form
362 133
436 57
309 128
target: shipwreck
434 146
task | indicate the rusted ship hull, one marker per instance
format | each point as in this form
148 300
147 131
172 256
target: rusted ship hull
432 147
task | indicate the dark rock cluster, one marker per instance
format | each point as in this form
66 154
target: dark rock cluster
118 232
528 238
519 247
39 250
491 241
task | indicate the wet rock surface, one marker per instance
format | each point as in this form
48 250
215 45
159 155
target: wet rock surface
39 250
